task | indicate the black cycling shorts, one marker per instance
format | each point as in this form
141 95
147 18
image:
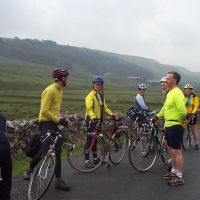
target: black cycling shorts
174 136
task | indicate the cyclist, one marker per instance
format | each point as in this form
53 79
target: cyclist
49 118
139 100
192 104
174 112
163 85
96 108
165 89
5 162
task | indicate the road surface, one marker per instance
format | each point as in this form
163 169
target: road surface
122 182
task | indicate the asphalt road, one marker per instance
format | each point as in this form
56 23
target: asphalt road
122 182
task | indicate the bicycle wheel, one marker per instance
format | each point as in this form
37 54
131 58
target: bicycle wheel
119 145
143 152
76 157
41 177
185 140
164 152
191 141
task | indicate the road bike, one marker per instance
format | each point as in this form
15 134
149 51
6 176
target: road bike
111 146
147 143
43 173
187 134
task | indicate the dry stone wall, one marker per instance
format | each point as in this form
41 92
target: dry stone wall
19 132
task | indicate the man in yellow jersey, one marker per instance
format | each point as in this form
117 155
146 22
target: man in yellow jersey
174 112
192 105
96 107
49 118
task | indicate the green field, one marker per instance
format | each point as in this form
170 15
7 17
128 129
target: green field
21 85
26 104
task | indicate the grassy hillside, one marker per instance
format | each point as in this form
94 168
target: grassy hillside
26 67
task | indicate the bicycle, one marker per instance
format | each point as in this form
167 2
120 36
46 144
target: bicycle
187 134
146 145
43 173
112 145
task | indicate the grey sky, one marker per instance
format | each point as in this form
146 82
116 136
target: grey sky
166 30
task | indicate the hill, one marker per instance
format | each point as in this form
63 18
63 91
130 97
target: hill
83 61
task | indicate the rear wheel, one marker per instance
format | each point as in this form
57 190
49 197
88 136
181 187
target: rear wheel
143 152
119 145
76 156
41 177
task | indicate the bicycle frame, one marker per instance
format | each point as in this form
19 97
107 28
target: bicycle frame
113 130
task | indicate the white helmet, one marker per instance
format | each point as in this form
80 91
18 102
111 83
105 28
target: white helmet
142 87
188 86
163 79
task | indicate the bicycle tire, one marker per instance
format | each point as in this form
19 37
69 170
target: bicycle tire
150 148
119 146
76 159
164 152
190 138
185 140
35 175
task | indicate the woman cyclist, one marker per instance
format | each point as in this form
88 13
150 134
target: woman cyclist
192 105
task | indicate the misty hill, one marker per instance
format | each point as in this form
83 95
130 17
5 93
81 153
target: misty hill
85 61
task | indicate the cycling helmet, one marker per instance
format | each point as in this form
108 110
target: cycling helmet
163 79
98 79
188 86
59 73
142 87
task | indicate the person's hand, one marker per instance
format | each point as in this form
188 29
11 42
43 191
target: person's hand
155 119
63 121
188 116
113 117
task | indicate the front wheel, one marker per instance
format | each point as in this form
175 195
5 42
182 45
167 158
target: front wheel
41 177
76 158
185 140
143 152
118 147
164 152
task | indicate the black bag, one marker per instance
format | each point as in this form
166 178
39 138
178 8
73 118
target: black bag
33 145
134 112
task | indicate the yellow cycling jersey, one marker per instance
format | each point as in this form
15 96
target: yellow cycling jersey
93 106
50 103
192 103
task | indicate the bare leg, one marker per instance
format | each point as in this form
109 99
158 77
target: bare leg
178 160
195 133
173 157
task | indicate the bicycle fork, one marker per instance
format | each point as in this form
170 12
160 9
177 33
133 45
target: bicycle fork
44 168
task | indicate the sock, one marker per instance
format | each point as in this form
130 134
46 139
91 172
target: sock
179 174
174 171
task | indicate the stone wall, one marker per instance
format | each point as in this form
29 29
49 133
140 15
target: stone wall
19 132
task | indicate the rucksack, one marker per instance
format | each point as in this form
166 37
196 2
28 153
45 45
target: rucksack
134 112
33 145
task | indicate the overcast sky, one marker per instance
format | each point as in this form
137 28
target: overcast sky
165 30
